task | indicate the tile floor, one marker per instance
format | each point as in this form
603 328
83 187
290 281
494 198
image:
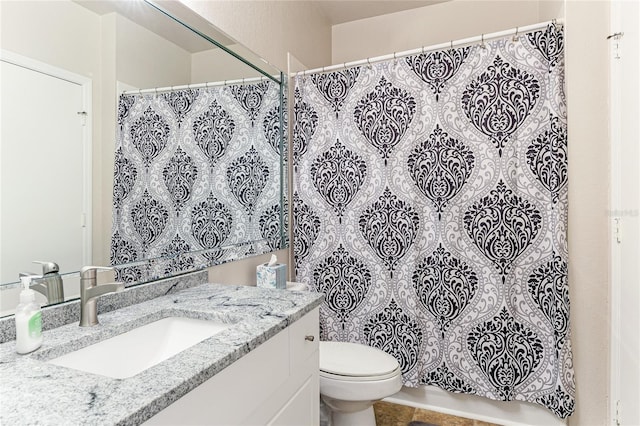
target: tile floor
388 414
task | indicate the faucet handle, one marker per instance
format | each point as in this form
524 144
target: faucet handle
89 272
47 267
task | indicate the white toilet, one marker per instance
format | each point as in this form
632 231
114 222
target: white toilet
353 377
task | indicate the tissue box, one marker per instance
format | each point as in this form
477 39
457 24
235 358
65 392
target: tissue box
274 276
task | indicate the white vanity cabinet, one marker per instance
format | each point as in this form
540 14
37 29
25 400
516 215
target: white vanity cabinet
275 384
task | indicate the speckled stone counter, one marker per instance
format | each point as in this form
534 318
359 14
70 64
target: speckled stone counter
35 392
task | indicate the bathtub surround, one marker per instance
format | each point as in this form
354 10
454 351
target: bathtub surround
74 397
196 178
430 206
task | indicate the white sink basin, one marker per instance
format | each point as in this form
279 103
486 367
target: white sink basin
130 353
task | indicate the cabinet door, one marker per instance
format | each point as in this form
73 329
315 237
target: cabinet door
231 395
276 383
302 408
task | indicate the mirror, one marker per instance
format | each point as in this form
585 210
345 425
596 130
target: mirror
121 60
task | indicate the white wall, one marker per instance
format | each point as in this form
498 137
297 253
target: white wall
586 71
426 26
271 28
587 28
69 41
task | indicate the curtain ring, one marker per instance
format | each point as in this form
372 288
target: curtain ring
554 21
515 36
482 42
369 63
451 45
423 50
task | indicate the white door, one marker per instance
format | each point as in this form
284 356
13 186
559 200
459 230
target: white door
42 164
625 212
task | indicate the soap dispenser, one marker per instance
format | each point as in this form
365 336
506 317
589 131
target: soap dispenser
52 281
28 319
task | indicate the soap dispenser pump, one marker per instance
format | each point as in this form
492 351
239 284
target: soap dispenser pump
28 319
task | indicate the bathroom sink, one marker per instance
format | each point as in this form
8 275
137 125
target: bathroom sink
130 353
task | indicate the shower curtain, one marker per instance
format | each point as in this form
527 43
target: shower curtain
430 207
195 178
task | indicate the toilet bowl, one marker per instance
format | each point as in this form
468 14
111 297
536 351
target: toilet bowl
353 377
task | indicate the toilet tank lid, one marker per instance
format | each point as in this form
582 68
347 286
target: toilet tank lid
355 360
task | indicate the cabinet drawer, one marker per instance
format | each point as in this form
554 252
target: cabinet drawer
304 337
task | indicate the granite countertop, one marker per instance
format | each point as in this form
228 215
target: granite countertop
35 392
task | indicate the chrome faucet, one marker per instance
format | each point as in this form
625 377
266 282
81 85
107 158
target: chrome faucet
51 281
90 291
37 286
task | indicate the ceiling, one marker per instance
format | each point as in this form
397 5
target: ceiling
157 22
335 12
340 11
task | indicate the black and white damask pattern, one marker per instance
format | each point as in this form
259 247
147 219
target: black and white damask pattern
445 287
502 225
149 135
194 174
181 102
384 115
547 158
335 86
440 167
437 68
390 227
430 206
271 228
506 352
499 100
212 131
345 281
304 123
250 97
338 175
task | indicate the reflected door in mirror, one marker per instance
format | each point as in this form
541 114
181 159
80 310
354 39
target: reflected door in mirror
42 159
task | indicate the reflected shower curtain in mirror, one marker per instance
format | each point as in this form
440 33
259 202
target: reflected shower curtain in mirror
195 170
430 207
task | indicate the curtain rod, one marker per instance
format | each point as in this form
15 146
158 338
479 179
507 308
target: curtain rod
447 45
194 86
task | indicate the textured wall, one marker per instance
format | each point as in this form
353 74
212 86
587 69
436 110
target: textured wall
426 26
587 63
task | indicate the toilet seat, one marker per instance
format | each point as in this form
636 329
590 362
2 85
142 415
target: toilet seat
345 378
355 362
